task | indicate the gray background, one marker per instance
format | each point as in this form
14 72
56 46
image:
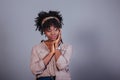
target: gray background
91 26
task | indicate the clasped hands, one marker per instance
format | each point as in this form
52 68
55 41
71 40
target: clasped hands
55 44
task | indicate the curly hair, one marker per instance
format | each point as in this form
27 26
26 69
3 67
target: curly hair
46 19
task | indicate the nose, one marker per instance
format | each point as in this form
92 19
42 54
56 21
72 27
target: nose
53 33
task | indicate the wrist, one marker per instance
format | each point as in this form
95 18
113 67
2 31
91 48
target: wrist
52 52
58 48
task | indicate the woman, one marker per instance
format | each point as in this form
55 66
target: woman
50 58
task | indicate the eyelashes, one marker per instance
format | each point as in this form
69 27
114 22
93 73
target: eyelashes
48 30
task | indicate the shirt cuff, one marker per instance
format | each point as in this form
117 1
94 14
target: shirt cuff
42 67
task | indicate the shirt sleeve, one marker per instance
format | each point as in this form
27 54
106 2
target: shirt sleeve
64 59
36 64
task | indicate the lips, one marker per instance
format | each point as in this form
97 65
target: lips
53 37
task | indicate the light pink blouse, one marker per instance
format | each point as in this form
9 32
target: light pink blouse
61 65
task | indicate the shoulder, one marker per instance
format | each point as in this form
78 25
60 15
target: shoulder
38 46
66 46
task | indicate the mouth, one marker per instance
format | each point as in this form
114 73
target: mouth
53 37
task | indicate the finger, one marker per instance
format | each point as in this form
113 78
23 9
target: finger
53 42
59 37
60 31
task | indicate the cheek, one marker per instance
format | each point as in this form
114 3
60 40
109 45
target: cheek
47 35
57 32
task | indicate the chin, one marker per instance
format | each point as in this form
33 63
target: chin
53 39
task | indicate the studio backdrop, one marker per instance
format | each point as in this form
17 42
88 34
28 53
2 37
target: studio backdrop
92 27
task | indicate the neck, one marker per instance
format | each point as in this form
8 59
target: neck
49 40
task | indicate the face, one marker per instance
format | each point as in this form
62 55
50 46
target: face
52 33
